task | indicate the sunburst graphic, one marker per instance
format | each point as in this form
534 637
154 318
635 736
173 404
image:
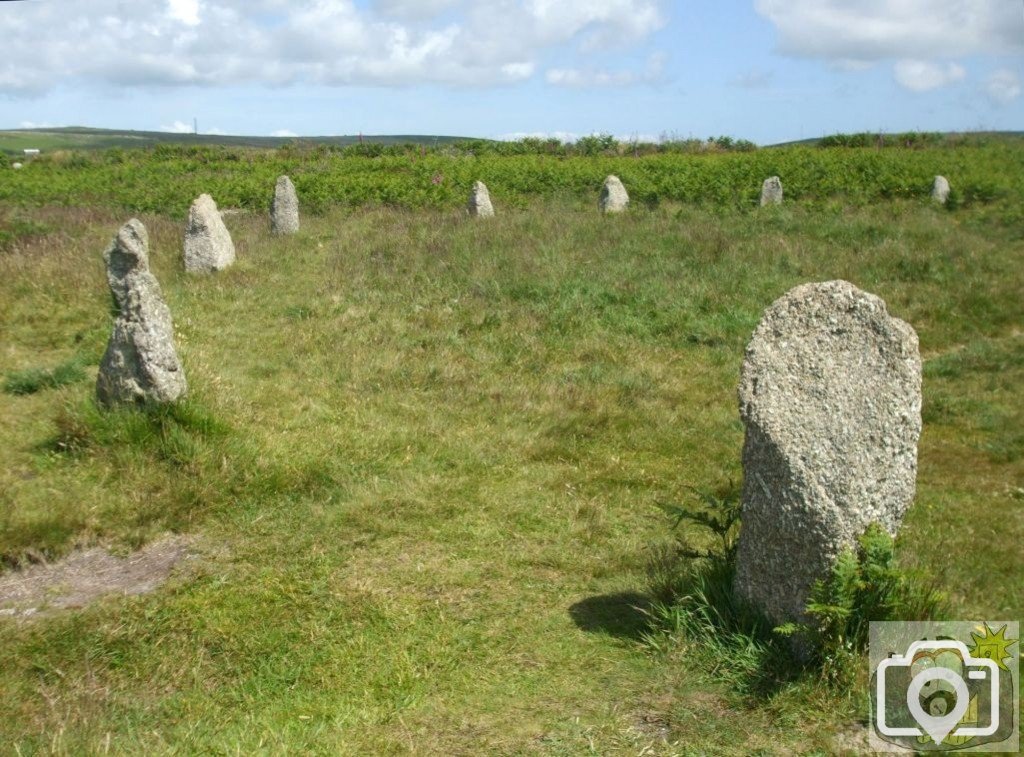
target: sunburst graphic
992 645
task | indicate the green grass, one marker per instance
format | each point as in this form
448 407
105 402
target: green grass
424 457
32 380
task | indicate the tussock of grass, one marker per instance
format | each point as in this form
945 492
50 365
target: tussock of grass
176 433
695 608
701 616
32 380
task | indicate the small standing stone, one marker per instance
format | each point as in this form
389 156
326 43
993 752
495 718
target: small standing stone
141 363
480 201
940 190
208 245
614 198
16 166
830 394
771 191
284 210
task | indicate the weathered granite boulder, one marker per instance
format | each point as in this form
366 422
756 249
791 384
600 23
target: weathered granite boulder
614 198
141 363
284 209
208 245
771 191
940 190
830 394
480 201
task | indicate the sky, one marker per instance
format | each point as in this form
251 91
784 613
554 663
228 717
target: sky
764 70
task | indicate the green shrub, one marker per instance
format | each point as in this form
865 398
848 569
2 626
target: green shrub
721 172
866 584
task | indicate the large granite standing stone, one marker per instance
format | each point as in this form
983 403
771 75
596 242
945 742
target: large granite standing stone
208 245
141 363
940 190
830 394
771 191
284 209
614 198
480 201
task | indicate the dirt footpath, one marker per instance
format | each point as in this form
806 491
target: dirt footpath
84 576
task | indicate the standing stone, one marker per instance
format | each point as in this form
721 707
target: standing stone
830 394
284 210
480 201
208 245
16 166
771 191
614 198
141 364
940 190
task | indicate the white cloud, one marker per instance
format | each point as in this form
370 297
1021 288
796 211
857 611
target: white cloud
571 77
650 139
1003 86
185 11
34 125
328 42
922 76
607 23
575 77
561 136
283 133
521 70
872 30
570 136
413 9
183 127
919 37
178 127
851 64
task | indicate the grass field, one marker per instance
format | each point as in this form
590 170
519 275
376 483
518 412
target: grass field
422 458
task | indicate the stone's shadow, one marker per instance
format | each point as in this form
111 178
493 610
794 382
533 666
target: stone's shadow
622 615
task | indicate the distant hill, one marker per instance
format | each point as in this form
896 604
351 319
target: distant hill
14 141
951 135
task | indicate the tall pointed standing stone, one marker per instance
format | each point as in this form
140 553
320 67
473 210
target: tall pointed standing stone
614 198
771 191
141 363
940 190
284 209
830 395
208 245
480 201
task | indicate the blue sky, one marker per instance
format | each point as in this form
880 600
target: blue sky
765 70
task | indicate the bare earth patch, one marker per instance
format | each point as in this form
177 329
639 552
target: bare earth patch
83 577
